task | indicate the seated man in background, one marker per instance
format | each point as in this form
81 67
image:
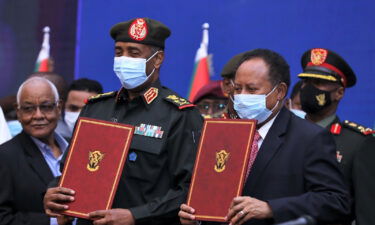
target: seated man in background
30 160
78 93
211 100
294 102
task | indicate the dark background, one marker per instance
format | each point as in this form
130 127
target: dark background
21 36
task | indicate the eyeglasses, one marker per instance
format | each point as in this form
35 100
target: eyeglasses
216 107
44 108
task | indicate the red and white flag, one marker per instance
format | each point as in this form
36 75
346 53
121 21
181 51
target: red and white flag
42 63
201 74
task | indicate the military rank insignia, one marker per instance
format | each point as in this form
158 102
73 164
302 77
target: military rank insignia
150 95
149 131
356 127
335 128
221 159
100 96
94 159
318 56
180 102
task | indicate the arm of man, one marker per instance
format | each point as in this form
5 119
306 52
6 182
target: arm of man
8 214
327 197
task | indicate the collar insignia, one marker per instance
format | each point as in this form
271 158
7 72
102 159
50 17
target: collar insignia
318 56
151 94
335 128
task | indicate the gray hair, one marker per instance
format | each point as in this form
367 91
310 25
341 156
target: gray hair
41 79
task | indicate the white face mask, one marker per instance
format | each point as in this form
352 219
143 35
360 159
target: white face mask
131 71
71 119
250 106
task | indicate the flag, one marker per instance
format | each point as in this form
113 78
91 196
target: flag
201 73
42 63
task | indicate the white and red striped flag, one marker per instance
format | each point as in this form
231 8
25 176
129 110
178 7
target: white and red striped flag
201 74
42 63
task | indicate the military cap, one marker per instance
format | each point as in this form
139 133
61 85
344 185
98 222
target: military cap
141 30
230 67
320 63
212 89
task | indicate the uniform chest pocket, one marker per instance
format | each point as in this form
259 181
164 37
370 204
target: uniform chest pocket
147 144
145 159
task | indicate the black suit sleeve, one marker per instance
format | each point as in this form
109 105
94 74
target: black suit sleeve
327 197
364 182
8 215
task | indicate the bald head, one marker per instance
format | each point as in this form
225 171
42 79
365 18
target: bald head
37 82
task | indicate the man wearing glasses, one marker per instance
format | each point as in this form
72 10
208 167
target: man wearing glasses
30 160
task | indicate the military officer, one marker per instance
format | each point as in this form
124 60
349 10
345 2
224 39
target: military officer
325 76
156 176
228 72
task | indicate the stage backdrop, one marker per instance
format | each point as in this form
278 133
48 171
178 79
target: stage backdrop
288 27
21 26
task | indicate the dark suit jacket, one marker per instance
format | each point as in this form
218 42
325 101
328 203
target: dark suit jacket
296 172
364 182
24 176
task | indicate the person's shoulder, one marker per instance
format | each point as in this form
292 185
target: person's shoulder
304 125
356 128
175 100
101 97
11 147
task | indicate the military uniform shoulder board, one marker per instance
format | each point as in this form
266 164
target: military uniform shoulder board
100 97
181 103
358 128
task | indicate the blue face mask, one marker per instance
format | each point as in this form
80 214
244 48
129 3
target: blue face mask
297 112
131 71
250 106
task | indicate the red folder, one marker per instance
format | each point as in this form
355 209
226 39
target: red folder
93 167
220 167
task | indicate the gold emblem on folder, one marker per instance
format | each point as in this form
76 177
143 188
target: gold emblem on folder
94 159
221 159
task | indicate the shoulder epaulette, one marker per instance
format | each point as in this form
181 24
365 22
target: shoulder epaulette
100 97
181 103
358 128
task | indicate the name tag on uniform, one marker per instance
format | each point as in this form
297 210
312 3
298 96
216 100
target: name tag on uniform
149 131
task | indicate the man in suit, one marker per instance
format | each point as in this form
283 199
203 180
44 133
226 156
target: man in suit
30 160
294 173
